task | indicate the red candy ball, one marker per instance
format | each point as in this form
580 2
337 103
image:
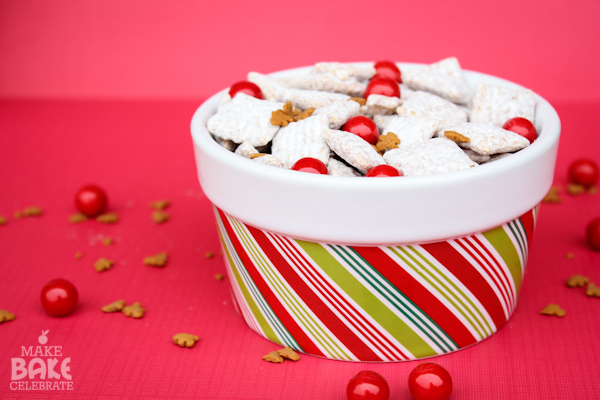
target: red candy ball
521 126
91 200
59 297
245 87
583 172
368 385
430 381
388 69
310 165
362 127
593 234
383 171
383 86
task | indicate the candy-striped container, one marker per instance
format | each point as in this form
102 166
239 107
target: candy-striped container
376 303
376 269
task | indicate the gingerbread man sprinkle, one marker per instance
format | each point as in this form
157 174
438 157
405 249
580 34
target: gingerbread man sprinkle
456 137
159 260
577 281
387 142
160 204
273 357
135 310
108 218
160 217
114 307
575 190
77 218
288 353
553 309
6 316
103 264
592 290
553 195
289 114
185 339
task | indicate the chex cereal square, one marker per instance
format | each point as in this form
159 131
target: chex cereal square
484 139
301 139
338 168
353 149
433 156
327 82
443 78
245 118
423 104
495 104
344 71
474 156
377 104
412 129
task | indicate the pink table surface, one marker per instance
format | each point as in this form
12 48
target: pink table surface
142 151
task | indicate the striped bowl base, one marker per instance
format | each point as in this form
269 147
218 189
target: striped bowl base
376 303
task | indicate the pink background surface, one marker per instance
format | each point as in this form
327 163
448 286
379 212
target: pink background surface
141 151
191 49
104 91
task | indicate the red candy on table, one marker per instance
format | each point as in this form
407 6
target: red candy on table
59 297
245 87
383 171
583 172
388 69
91 200
310 165
523 127
383 86
430 381
593 234
368 385
362 127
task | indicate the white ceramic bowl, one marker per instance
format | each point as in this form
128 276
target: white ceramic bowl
348 211
376 269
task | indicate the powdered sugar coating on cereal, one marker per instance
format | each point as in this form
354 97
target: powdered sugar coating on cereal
423 104
344 71
338 168
303 99
301 139
412 129
246 150
476 157
270 88
380 105
353 149
245 118
268 159
227 144
382 120
497 157
336 114
495 105
443 78
432 156
487 139
326 82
